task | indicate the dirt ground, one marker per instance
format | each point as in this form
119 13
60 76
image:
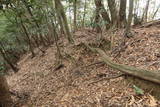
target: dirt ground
76 82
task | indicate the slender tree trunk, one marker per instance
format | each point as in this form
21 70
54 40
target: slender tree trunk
56 42
5 98
75 14
35 21
128 27
84 13
49 34
5 57
59 19
122 13
113 11
60 10
136 7
28 38
97 19
155 12
146 11
102 11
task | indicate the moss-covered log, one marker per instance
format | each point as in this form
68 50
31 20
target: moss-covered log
153 76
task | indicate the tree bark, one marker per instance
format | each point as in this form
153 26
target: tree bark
5 57
56 42
5 98
145 16
75 14
28 38
128 27
35 21
84 13
122 13
102 11
60 10
155 13
97 19
113 11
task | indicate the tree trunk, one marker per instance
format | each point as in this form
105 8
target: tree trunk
60 10
59 20
128 27
75 14
84 13
102 11
122 13
97 19
5 98
146 11
5 57
113 11
28 38
56 42
35 21
155 12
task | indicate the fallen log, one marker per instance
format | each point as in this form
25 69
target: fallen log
153 76
151 23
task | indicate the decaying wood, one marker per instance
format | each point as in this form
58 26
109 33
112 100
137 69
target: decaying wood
153 76
151 23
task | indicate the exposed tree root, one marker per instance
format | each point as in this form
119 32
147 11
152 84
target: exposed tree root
153 76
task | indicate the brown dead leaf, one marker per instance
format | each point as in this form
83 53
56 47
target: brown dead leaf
152 101
132 100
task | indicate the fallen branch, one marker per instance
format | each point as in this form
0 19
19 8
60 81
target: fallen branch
59 67
151 23
153 76
107 78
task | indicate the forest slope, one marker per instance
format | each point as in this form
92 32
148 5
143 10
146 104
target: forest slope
74 84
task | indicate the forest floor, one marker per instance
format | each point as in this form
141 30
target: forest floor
76 84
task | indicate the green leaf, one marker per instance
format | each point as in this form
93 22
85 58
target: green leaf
138 90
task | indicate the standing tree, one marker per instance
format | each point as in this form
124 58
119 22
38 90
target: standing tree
100 10
113 11
75 14
96 21
5 57
145 14
28 37
84 13
128 27
156 11
122 13
60 11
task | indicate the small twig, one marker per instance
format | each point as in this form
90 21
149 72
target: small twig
59 67
108 78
